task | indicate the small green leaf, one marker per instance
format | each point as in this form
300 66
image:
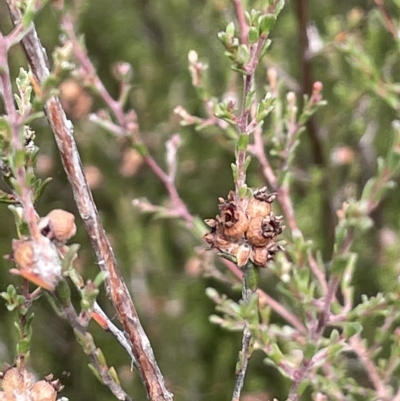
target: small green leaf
279 6
334 336
113 373
70 256
251 277
63 292
243 142
243 55
243 191
18 158
142 149
350 329
223 37
266 23
227 256
23 346
275 354
101 357
96 373
230 29
310 350
339 264
234 171
247 162
100 278
40 187
302 387
250 98
253 35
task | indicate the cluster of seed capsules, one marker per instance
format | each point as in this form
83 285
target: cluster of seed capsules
247 229
19 384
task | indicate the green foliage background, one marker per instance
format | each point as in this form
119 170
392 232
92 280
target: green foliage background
197 358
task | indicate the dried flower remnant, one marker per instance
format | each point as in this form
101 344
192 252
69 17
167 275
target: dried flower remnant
38 262
23 253
246 230
39 259
19 384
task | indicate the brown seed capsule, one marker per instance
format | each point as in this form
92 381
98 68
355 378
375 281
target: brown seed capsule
260 255
43 391
274 226
260 204
223 245
13 381
23 253
235 223
19 384
216 241
273 248
58 225
255 233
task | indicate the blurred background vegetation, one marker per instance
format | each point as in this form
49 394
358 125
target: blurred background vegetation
350 51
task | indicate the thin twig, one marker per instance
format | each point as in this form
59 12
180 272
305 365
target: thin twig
244 356
326 312
115 285
117 333
373 374
122 127
265 299
316 333
390 26
16 143
301 8
93 352
90 71
244 28
318 272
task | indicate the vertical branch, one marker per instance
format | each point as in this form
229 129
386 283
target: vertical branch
243 360
17 145
328 222
243 123
387 18
115 285
124 126
306 76
244 28
373 373
250 279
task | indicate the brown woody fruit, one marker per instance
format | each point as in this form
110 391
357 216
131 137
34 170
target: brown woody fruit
246 229
19 384
255 234
273 248
58 225
235 222
260 204
43 391
260 255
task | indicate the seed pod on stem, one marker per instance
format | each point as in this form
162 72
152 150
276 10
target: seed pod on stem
58 225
